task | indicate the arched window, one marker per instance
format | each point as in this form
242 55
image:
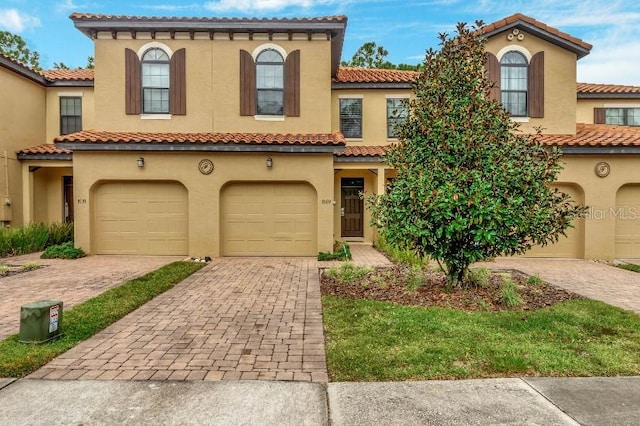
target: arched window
270 83
514 83
155 82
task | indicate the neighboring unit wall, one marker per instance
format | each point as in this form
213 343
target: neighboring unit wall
53 108
559 81
584 113
48 194
22 125
213 85
203 190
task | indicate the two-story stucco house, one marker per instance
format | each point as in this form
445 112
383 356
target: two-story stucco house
244 137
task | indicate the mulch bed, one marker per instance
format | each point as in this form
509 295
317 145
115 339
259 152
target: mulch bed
389 285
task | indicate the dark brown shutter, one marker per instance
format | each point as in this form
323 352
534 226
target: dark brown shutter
178 83
132 82
599 116
493 74
536 86
247 84
292 84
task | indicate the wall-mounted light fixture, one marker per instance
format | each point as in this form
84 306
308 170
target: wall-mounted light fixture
141 162
269 162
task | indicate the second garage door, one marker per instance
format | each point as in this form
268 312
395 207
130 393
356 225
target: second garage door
268 219
148 218
627 222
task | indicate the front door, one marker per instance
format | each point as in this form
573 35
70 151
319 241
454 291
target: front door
352 210
67 184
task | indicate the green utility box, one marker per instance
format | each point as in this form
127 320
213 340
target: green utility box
40 321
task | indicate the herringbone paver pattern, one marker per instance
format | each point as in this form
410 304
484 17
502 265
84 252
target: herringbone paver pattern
72 281
238 318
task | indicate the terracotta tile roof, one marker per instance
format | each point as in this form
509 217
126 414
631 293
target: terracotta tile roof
542 26
362 151
100 137
48 148
372 75
102 17
607 88
596 135
66 75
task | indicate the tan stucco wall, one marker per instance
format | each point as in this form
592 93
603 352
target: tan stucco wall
559 82
203 190
53 108
374 113
22 125
584 112
48 199
213 87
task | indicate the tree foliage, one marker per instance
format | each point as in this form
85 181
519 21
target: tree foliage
15 47
470 184
370 55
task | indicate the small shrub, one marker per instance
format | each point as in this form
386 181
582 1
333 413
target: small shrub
63 251
415 278
33 238
478 277
534 280
484 305
3 269
509 293
341 251
347 272
30 266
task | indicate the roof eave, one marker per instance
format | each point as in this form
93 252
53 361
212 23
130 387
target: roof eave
70 83
42 156
370 85
200 147
608 95
357 159
580 51
600 149
22 70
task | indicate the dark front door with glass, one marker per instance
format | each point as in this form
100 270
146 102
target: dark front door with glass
352 207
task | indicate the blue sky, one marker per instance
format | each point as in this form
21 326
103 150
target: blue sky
405 28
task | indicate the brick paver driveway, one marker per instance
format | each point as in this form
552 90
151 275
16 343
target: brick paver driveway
72 281
237 318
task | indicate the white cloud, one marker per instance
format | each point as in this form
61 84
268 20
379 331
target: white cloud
249 6
16 21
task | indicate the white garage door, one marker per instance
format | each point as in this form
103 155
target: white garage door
140 218
268 219
573 244
627 213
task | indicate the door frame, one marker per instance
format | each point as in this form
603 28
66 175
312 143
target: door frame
350 183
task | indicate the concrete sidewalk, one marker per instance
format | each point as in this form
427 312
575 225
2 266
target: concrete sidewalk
542 401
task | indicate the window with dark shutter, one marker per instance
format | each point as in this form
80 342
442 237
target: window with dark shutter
493 74
292 84
133 103
178 83
536 86
514 83
599 115
247 84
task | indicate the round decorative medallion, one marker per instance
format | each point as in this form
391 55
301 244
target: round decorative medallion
602 169
205 166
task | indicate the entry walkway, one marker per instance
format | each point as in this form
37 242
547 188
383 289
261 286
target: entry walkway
237 318
72 281
595 280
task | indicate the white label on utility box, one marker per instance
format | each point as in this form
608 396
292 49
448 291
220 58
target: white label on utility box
53 318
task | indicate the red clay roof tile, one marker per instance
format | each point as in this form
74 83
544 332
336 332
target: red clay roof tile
48 148
102 137
67 75
373 75
607 88
362 151
102 17
596 135
542 26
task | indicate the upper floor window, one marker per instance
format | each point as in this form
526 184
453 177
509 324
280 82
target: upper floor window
70 114
514 83
155 82
270 83
622 116
397 111
351 117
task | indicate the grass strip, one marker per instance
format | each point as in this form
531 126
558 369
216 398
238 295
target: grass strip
380 341
86 319
629 267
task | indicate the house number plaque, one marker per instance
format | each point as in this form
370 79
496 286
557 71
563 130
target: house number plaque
205 166
603 169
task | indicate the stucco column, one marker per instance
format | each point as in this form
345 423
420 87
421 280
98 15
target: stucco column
381 181
27 194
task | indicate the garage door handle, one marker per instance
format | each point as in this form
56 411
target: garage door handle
342 211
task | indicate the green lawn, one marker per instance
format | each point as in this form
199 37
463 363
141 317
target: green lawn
86 319
379 341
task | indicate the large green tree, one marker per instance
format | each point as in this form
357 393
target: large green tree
470 184
370 55
15 47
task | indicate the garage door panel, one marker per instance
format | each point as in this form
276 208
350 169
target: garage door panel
141 218
627 243
268 219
